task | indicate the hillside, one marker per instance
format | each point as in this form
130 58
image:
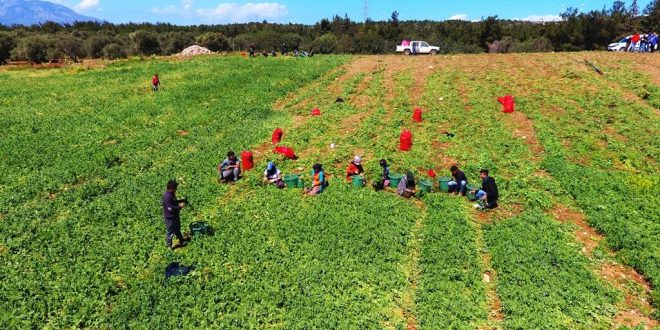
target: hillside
574 244
29 12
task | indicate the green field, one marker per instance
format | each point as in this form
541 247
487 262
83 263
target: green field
86 152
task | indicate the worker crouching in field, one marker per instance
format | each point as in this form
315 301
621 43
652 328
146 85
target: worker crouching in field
318 181
155 83
406 187
273 175
385 178
459 183
171 209
488 192
354 168
230 168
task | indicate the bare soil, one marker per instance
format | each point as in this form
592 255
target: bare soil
636 308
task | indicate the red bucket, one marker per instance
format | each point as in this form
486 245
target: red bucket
247 160
508 103
277 136
405 140
417 115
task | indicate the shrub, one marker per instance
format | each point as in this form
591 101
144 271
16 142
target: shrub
215 42
175 42
326 44
34 49
7 43
70 46
94 45
146 43
113 51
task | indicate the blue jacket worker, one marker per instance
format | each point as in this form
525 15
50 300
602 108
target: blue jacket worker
230 168
459 183
488 191
171 209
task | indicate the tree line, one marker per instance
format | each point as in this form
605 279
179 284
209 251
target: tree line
576 31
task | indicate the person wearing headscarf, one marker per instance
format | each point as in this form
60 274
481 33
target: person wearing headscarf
354 168
273 175
406 187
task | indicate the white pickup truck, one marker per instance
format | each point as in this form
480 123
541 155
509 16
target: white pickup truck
416 47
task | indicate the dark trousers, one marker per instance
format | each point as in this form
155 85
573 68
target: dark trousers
172 227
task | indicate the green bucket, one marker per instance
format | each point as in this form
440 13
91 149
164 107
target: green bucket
444 183
358 181
469 188
395 179
199 228
301 184
291 181
426 186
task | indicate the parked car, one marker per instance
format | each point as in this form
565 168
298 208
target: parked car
416 47
621 45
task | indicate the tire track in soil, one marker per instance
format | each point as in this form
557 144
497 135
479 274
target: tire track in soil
634 309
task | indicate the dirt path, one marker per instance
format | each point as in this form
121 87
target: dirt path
635 309
489 277
359 65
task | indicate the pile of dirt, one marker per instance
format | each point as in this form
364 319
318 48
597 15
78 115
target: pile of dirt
195 50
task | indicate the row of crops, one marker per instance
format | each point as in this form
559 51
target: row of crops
86 155
610 168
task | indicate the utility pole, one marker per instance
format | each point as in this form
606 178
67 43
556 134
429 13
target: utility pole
366 10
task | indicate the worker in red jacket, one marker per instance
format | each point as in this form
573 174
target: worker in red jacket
155 83
633 41
354 168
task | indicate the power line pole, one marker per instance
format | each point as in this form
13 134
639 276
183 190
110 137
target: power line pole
366 10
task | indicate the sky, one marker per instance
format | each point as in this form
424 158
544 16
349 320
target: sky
189 12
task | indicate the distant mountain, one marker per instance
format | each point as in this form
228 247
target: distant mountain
29 12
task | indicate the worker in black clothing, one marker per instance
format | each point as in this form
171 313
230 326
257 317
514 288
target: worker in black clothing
488 191
171 209
459 183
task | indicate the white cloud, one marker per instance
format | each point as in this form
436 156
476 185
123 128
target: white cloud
225 12
459 17
239 13
169 10
541 18
87 5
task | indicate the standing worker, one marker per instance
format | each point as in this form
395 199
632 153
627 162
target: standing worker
171 209
488 191
155 83
633 42
459 183
653 41
354 168
230 168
